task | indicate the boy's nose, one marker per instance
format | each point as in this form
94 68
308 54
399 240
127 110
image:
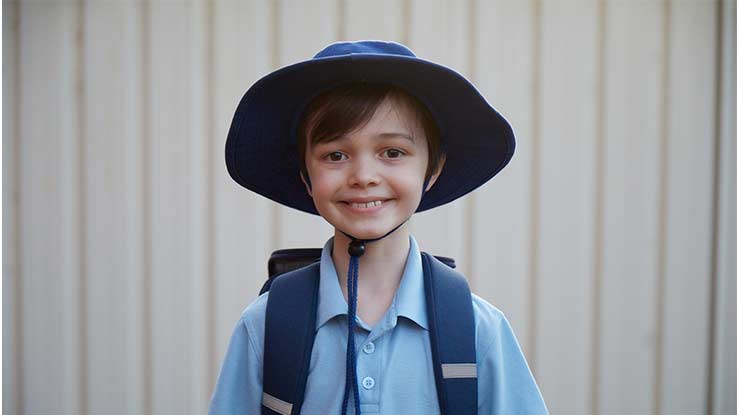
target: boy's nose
363 173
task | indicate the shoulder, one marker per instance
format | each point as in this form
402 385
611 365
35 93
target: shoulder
253 321
238 387
253 318
489 322
255 313
486 313
506 383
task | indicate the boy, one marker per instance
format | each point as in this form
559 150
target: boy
365 134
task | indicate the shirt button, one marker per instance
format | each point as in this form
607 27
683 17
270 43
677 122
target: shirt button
369 348
368 382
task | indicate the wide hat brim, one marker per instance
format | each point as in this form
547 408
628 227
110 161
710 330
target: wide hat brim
261 151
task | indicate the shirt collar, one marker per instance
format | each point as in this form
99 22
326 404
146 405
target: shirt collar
409 300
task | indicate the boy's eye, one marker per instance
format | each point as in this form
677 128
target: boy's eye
393 153
335 156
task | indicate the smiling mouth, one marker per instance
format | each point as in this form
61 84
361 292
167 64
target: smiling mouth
366 205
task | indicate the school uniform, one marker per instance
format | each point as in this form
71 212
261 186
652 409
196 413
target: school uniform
388 368
394 360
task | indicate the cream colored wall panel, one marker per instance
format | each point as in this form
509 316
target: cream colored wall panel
201 144
632 115
243 47
110 362
689 188
372 20
51 336
725 356
11 270
439 31
137 215
566 211
304 28
172 172
499 218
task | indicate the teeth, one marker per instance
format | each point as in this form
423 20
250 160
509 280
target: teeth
366 205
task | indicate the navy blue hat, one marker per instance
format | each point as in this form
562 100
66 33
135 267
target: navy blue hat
261 152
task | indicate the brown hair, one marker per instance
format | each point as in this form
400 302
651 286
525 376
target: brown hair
348 107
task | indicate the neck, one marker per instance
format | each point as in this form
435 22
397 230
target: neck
382 264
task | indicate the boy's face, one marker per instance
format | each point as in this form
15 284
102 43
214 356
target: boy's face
369 181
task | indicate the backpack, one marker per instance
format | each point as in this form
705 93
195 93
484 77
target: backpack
291 310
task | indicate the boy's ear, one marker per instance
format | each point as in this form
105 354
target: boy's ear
434 177
307 185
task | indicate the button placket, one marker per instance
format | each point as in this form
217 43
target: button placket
370 359
369 372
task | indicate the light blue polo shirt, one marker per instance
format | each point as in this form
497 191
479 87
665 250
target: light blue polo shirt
394 360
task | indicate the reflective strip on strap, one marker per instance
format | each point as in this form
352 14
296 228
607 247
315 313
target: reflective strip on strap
276 404
459 370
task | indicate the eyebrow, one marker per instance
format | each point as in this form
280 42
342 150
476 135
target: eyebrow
400 135
385 135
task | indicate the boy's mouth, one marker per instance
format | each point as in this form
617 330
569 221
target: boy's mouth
365 204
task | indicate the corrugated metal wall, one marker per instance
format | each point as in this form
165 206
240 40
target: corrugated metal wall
609 241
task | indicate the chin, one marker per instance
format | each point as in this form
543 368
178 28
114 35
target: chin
368 232
361 228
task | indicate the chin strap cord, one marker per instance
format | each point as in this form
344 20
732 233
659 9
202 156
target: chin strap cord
356 249
351 376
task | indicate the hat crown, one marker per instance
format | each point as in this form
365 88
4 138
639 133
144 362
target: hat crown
369 47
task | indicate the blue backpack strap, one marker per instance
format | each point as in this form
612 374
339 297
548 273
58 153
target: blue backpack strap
289 334
452 337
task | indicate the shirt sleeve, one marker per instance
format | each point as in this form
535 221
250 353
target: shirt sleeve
239 386
506 384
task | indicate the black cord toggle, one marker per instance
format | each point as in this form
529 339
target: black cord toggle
356 248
